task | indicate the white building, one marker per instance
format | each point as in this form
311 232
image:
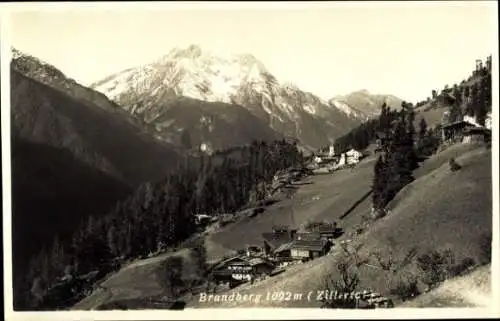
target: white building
342 160
331 151
353 156
473 120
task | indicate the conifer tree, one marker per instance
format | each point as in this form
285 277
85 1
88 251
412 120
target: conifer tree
379 184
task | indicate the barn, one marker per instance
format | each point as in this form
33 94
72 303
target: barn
306 249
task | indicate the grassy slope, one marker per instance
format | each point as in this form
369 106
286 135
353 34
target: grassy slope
136 280
430 214
471 290
336 194
432 116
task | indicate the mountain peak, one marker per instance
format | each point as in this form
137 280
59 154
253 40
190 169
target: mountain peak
239 79
361 92
193 51
16 53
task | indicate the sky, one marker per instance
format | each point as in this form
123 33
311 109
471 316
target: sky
399 48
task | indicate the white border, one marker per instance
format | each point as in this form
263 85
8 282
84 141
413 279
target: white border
6 172
229 314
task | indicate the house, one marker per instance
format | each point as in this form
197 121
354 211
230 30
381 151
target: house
342 160
241 269
476 135
329 232
317 159
454 132
253 250
353 156
331 151
284 251
313 235
306 249
202 219
279 236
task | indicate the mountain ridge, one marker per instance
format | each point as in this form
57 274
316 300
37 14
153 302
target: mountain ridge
238 79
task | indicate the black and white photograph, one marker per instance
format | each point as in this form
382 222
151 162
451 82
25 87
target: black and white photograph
336 155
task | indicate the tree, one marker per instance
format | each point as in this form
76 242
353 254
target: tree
482 100
199 254
399 160
186 139
379 184
409 141
57 259
422 129
38 290
112 240
347 283
170 276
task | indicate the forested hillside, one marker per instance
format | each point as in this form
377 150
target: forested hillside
158 216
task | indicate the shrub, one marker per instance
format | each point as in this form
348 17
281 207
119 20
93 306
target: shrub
453 165
485 248
406 289
460 268
435 267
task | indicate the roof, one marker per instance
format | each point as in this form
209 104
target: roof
284 247
477 130
456 123
227 261
308 236
257 261
277 239
311 245
252 261
327 229
281 227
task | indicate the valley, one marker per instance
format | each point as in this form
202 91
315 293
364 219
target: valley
110 182
416 221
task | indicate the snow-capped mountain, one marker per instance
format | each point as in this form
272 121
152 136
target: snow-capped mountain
367 104
232 79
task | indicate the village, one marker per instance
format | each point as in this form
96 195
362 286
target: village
285 246
282 246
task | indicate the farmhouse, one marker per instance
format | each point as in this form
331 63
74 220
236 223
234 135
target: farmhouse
305 249
278 237
353 156
204 219
241 268
284 251
329 232
454 132
476 135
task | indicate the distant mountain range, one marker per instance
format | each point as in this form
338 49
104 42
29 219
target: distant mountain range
368 104
237 82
